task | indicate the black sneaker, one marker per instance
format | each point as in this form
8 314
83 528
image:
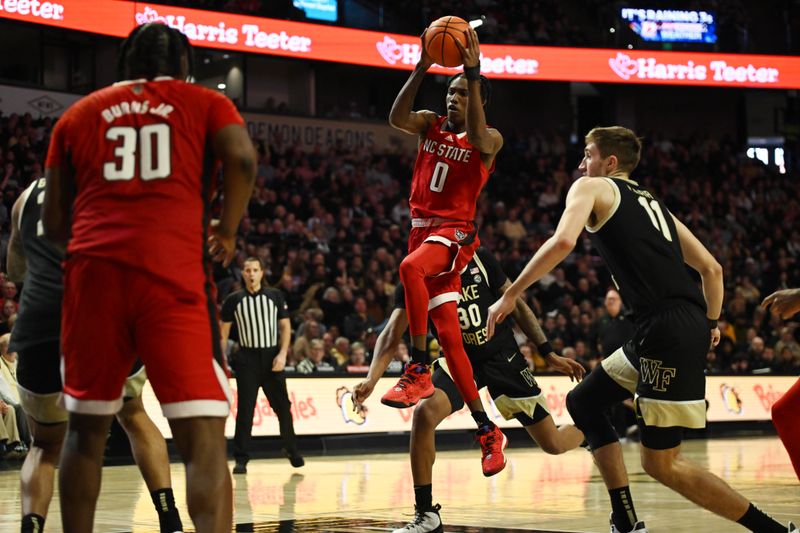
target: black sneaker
295 458
424 522
240 468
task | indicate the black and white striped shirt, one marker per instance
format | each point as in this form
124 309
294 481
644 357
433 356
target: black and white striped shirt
256 316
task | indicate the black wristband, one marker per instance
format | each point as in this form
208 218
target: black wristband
712 323
472 73
545 348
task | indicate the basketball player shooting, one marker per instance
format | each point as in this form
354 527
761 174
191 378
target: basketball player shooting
455 157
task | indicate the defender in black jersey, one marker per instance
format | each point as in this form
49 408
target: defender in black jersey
36 337
496 364
646 249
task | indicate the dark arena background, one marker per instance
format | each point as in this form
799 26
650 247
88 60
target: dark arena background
711 88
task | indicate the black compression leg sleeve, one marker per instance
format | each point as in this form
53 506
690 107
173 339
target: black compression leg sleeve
588 402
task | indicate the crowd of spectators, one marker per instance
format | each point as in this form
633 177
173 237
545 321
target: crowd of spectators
330 226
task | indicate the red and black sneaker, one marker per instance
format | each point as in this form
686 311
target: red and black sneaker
492 442
414 384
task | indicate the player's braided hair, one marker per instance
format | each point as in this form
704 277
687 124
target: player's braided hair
152 50
486 87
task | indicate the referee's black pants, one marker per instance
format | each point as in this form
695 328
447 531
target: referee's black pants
253 370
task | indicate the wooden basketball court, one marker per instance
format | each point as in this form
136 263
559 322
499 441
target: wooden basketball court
373 493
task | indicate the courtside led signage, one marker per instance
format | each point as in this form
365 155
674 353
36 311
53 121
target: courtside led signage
257 35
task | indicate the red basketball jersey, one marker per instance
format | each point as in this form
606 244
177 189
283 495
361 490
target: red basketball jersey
140 153
448 176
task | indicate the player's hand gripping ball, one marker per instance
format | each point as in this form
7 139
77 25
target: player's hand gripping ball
440 40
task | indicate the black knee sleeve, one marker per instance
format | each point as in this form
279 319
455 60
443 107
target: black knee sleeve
588 402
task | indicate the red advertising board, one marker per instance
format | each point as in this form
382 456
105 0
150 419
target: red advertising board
344 45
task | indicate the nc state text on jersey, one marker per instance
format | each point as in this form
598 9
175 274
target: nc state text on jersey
135 108
447 151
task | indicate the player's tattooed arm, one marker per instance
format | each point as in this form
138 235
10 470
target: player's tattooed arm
16 264
525 318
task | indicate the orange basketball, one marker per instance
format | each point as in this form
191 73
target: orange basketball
440 40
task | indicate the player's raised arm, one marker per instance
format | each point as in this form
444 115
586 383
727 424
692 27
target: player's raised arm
402 117
486 140
232 146
15 262
699 258
580 204
385 350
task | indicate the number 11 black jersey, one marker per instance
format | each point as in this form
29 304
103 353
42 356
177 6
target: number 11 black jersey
639 243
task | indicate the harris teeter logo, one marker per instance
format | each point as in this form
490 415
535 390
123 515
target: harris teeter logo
394 53
649 68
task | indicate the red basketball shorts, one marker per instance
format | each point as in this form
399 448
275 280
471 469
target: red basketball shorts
462 240
113 313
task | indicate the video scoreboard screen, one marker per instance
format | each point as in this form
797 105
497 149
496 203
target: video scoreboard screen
327 10
672 25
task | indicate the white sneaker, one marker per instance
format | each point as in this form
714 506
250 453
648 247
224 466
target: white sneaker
792 528
424 522
638 527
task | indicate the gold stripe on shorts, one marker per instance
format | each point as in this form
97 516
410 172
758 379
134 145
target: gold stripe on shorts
621 370
666 413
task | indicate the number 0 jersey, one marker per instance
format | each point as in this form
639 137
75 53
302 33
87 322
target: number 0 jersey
639 243
448 176
139 153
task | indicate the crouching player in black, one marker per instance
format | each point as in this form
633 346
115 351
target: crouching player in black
497 364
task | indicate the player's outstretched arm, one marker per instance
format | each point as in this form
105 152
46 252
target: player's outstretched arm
232 146
699 258
402 117
15 262
784 303
580 203
385 350
486 140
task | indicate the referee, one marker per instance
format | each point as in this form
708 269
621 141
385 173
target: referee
262 321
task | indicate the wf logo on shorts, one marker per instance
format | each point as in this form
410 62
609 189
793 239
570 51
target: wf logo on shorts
653 374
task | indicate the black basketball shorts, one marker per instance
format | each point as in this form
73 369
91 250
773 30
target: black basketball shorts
39 379
663 366
510 382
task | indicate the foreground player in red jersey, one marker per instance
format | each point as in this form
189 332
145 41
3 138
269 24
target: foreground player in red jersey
786 411
456 155
130 174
